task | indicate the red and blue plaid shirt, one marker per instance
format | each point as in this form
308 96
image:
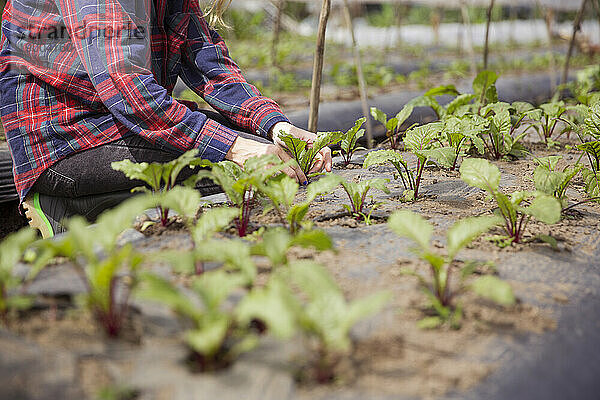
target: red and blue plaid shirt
76 74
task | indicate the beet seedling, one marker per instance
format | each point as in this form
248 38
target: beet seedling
109 272
305 153
238 183
159 177
546 119
428 99
349 142
215 338
11 251
552 181
412 226
357 192
277 242
392 126
515 217
589 135
326 318
499 138
423 142
463 133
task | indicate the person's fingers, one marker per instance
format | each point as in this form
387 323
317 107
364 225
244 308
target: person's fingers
327 159
318 164
322 161
293 170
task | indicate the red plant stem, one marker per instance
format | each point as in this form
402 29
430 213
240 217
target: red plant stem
420 168
447 296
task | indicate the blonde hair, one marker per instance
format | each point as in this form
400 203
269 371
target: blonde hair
214 13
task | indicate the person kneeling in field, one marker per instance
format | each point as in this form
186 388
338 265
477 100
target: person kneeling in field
84 83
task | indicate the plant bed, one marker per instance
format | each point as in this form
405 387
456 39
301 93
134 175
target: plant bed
449 266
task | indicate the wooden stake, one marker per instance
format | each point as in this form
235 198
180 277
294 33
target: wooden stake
362 84
315 92
486 48
468 39
576 28
549 19
276 31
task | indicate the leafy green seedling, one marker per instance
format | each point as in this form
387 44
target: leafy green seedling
215 337
11 251
589 135
392 126
159 177
551 180
515 217
586 85
305 153
429 99
276 243
349 142
326 317
463 133
412 226
238 183
357 192
423 142
281 191
503 120
546 119
109 272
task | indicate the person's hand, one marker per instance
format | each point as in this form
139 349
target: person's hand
323 160
244 149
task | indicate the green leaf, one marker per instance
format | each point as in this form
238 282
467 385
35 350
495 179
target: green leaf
547 181
412 226
458 102
421 137
184 201
495 289
313 279
363 307
324 185
430 323
403 114
350 138
379 115
442 90
442 156
275 244
235 254
155 288
545 209
281 190
313 238
483 82
381 157
214 287
274 305
13 246
210 338
592 182
466 230
481 174
212 221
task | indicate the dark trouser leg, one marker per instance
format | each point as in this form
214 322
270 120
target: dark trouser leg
90 173
85 183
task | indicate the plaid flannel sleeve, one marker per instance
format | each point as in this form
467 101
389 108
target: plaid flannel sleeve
209 71
111 37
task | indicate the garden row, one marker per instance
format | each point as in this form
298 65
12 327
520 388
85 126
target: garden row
301 296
